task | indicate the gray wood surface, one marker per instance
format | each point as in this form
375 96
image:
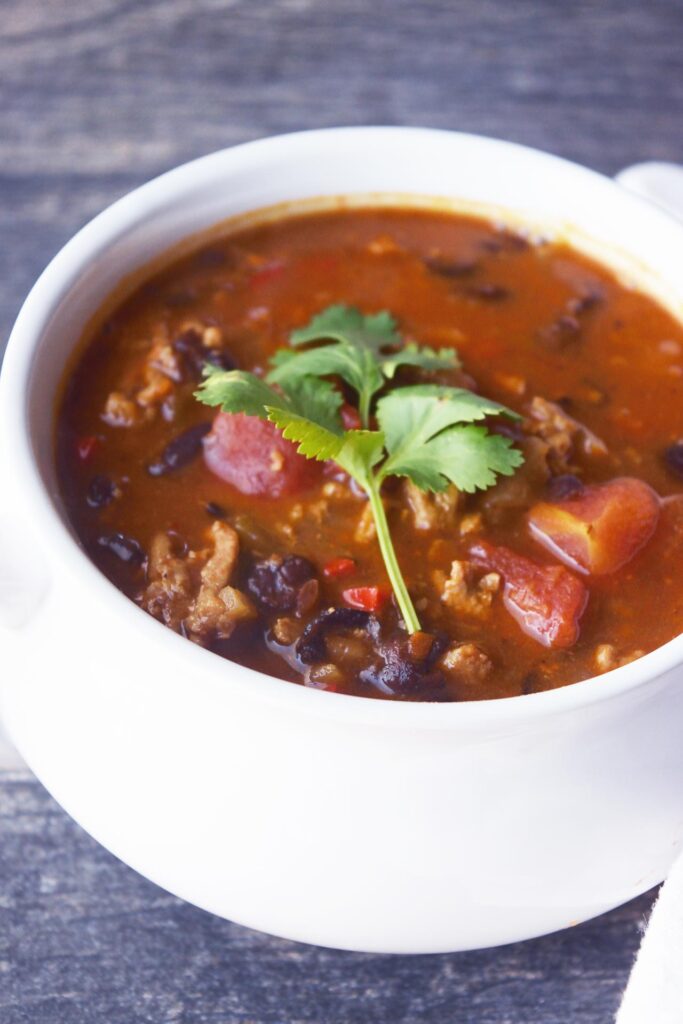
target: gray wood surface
98 96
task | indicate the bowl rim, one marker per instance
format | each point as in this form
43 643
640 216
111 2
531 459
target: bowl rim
32 324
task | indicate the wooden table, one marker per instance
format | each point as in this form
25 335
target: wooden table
95 97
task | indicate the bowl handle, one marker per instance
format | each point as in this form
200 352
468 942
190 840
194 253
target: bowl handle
23 580
661 183
24 583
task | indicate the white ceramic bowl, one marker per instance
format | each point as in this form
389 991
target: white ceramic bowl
331 819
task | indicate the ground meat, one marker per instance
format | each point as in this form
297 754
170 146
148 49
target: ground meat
324 677
365 531
276 582
121 411
466 591
161 370
516 492
160 373
473 522
165 366
169 591
467 663
216 608
218 613
431 511
562 433
606 658
218 570
286 630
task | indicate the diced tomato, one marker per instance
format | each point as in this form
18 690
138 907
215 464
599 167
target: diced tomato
547 601
253 456
368 599
599 529
339 567
86 447
350 417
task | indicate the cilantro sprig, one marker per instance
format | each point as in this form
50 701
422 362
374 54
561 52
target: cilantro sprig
431 434
365 351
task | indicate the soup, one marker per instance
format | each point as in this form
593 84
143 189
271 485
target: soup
497 503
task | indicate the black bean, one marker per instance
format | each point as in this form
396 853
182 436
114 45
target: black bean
101 491
275 582
584 303
310 647
212 258
402 677
564 486
560 332
450 268
529 683
181 450
217 357
509 240
125 548
515 242
488 292
215 510
182 297
673 457
195 354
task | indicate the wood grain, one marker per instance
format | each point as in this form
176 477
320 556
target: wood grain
97 96
84 939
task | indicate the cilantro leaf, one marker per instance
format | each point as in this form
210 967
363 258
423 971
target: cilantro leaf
413 414
421 356
426 431
357 367
316 399
362 450
426 442
348 325
355 351
467 456
313 440
238 391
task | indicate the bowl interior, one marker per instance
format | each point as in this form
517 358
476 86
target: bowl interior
276 176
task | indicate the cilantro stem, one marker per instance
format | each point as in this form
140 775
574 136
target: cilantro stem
364 399
389 555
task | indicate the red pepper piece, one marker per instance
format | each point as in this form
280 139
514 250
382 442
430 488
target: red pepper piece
547 601
367 599
339 567
86 447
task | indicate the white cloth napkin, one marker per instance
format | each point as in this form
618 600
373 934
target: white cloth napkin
654 994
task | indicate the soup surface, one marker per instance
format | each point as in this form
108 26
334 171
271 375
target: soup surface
563 569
